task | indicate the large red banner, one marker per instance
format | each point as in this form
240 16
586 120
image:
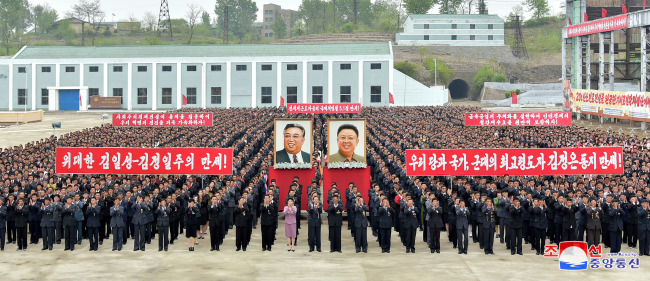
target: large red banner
534 161
324 108
177 119
518 119
144 161
598 26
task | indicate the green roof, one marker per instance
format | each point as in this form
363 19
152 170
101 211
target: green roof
158 51
451 16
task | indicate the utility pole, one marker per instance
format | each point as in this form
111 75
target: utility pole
164 20
355 13
520 47
225 24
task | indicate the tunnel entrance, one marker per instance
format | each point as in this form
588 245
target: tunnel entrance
459 89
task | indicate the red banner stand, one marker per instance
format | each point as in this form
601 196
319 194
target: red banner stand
283 179
342 177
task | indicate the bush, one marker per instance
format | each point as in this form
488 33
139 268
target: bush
444 72
153 40
488 73
508 95
407 68
348 27
500 77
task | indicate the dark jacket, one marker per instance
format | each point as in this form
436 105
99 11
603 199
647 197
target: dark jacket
268 214
360 219
489 217
569 217
516 216
216 214
68 215
117 219
162 214
539 216
435 218
385 217
335 215
47 216
94 215
315 218
190 215
593 218
242 215
462 218
615 219
21 215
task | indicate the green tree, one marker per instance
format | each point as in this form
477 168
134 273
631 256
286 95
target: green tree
279 28
450 6
538 7
299 28
64 32
241 15
88 11
14 16
408 68
205 19
419 6
443 72
192 17
43 18
385 14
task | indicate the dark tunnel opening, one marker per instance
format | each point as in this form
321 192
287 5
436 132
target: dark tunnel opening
459 89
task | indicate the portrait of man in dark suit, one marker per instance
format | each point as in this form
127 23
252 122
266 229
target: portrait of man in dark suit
294 138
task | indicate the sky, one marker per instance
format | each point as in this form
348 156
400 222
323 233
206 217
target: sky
177 8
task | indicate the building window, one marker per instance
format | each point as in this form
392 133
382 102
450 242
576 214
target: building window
142 68
292 67
472 37
316 67
191 68
191 95
426 26
215 68
142 95
490 26
93 69
426 37
22 69
69 69
375 93
267 95
46 69
346 66
45 96
241 67
93 92
454 26
215 95
266 67
117 92
472 26
167 68
22 97
346 94
292 94
317 94
453 37
117 68
375 66
490 37
166 95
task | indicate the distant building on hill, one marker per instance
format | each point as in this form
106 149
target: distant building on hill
454 30
271 14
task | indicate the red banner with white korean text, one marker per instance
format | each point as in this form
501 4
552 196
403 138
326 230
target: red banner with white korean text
518 119
144 161
177 119
597 26
515 161
324 108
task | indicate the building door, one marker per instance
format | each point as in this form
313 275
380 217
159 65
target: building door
68 99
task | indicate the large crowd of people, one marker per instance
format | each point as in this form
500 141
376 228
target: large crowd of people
47 208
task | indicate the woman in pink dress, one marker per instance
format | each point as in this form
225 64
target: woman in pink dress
290 224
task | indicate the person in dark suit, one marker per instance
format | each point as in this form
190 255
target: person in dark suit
314 220
242 214
435 224
540 224
11 218
385 216
594 213
117 224
3 223
632 222
162 213
34 219
361 225
58 218
516 224
267 218
462 225
643 229
615 226
569 223
69 224
215 211
335 221
139 222
410 224
191 223
21 216
94 214
47 224
294 138
489 218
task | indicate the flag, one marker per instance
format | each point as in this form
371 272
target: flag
604 12
570 21
184 100
80 103
624 8
586 17
281 101
391 100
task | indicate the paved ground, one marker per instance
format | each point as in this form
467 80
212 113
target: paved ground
279 264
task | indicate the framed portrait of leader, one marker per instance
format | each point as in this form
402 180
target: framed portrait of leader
346 140
293 141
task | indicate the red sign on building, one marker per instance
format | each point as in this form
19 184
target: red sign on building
597 26
518 119
177 119
144 161
514 161
324 108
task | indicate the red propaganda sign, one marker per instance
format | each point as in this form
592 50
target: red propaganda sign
324 108
598 26
515 161
518 119
178 119
144 161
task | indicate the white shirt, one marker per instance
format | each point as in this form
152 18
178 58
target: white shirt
298 156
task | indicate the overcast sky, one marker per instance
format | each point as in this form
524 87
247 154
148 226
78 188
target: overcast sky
123 8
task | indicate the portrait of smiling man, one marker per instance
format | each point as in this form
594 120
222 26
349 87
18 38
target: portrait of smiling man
293 138
349 136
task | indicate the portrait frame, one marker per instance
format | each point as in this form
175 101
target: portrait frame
332 147
278 144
